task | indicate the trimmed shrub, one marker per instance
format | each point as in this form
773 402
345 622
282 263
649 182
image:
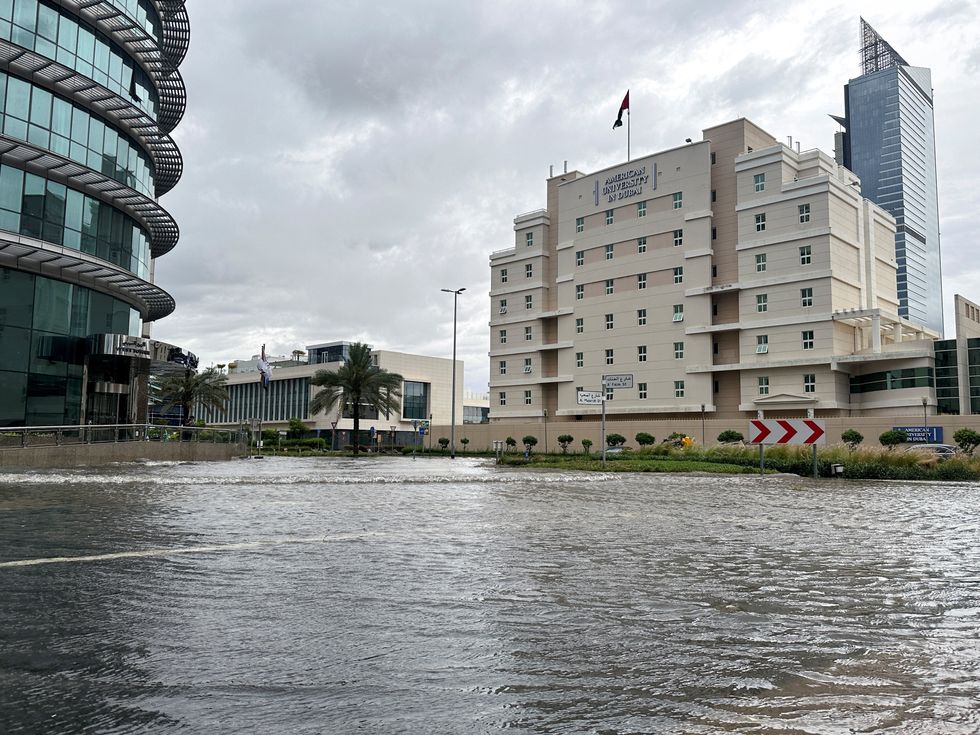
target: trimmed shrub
852 438
586 445
511 442
730 436
443 442
892 438
967 440
529 442
464 441
563 441
644 439
615 440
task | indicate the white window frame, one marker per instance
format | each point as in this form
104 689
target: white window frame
610 286
678 313
529 239
679 389
528 302
679 274
641 317
503 275
641 390
610 321
610 249
580 359
527 398
641 209
609 216
762 384
678 237
503 367
502 397
761 303
809 382
503 336
580 325
641 245
527 365
760 263
807 341
678 350
528 270
806 297
806 254
641 281
804 210
610 356
503 306
579 291
760 182
641 353
760 222
678 199
580 224
579 258
528 334
762 344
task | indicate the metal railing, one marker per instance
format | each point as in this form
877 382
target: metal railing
14 437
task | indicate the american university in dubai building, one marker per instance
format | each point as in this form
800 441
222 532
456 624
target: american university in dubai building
727 276
89 93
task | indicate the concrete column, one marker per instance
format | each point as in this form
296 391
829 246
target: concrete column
876 333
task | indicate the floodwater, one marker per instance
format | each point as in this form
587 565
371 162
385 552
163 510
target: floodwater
430 596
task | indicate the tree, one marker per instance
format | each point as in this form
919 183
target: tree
356 385
529 442
893 437
443 442
730 436
511 442
187 389
644 439
464 441
296 428
852 438
563 441
615 440
586 445
967 440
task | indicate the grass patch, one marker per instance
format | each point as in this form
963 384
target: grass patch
629 463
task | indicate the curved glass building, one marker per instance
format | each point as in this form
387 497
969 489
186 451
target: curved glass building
90 91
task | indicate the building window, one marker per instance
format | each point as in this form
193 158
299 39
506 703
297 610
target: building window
528 270
678 237
579 258
762 303
763 386
760 222
807 339
609 395
805 255
580 224
761 344
527 334
679 274
579 325
712 158
641 317
714 271
503 306
641 391
804 213
641 245
503 398
527 364
579 292
641 281
529 302
609 216
527 398
678 312
641 353
678 389
678 350
806 297
714 233
714 195
609 357
609 321
715 385
641 209
503 275
760 263
809 383
678 198
529 238
579 359
760 182
503 336
609 252
503 367
714 309
609 286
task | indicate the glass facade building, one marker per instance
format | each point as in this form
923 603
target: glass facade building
89 94
890 143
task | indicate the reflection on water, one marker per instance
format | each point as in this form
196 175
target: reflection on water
309 596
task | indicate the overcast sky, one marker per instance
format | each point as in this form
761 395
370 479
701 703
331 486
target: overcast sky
344 161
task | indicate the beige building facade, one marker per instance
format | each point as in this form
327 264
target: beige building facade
727 276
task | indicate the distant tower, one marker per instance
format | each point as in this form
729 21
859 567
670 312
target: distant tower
889 141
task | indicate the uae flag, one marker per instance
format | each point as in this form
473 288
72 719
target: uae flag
624 106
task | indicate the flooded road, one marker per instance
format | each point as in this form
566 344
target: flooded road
401 596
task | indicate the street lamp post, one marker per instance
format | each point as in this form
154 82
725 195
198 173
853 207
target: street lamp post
702 425
925 415
452 429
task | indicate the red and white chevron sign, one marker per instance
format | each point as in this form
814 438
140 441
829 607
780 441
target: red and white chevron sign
787 431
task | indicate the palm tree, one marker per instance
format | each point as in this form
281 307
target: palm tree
189 388
355 384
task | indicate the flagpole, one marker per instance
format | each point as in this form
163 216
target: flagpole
627 134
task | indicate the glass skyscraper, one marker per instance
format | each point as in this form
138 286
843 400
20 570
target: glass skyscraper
889 141
89 93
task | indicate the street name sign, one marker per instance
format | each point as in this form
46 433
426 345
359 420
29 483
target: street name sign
787 431
589 398
621 380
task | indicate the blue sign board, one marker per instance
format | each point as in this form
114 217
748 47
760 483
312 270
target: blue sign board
922 434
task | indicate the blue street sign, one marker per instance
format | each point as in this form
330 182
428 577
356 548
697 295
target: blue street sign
922 434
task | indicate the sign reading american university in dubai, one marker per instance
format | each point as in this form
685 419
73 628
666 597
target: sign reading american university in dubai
625 184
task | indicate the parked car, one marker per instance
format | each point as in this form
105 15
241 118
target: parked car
940 451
